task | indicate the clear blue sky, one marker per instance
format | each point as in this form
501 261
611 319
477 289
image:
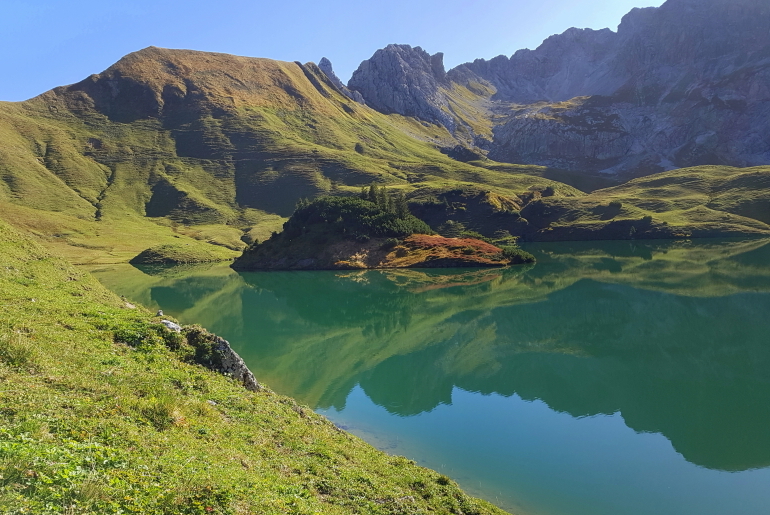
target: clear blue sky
48 43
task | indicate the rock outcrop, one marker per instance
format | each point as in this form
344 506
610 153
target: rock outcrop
216 353
681 85
407 81
326 66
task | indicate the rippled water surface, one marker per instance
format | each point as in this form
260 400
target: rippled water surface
616 377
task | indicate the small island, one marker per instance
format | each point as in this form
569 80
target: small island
375 230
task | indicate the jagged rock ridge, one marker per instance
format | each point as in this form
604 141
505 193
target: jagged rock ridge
684 84
326 66
404 80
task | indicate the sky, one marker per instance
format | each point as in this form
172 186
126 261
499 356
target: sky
49 43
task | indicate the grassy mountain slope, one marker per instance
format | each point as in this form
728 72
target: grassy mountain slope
212 151
92 425
704 201
215 148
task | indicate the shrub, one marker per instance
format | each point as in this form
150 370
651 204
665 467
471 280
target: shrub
354 216
516 255
390 243
476 236
452 229
504 238
549 192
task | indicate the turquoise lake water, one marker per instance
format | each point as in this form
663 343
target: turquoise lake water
609 378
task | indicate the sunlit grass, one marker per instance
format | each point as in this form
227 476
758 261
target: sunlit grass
99 415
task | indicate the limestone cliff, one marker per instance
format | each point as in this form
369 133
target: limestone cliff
681 85
404 80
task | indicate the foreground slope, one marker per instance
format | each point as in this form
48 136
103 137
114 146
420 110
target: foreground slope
205 148
92 425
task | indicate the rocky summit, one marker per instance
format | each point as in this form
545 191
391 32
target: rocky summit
685 84
404 80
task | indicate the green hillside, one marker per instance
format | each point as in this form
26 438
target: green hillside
174 146
705 201
195 149
100 415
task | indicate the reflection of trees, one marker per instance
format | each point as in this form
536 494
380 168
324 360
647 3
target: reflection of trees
692 369
668 334
330 300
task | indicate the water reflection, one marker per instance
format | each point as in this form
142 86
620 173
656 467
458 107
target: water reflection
673 336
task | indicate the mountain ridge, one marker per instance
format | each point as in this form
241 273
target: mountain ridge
683 84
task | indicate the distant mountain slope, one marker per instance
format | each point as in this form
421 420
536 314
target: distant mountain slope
685 84
197 149
708 201
205 147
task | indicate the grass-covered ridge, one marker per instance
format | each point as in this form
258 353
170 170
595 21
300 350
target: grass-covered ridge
179 253
104 411
705 201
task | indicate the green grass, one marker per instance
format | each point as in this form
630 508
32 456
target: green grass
99 415
100 182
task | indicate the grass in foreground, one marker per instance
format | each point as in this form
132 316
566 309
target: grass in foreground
99 415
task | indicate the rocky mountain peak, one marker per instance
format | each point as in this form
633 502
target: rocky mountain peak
405 80
683 84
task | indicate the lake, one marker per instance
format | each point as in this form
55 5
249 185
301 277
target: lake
610 377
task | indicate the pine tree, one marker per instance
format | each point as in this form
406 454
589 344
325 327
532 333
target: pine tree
401 206
382 199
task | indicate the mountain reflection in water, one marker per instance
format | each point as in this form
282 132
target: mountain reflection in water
671 335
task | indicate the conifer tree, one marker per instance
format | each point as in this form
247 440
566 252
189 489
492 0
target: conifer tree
381 198
400 205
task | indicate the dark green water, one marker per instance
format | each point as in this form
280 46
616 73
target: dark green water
610 378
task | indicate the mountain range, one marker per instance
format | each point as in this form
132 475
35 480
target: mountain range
682 85
202 149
